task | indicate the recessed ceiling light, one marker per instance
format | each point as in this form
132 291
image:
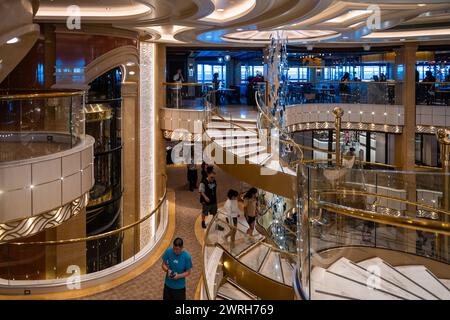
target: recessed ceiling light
220 10
13 40
130 64
131 73
239 29
421 4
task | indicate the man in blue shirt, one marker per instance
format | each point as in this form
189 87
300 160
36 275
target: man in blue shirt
177 264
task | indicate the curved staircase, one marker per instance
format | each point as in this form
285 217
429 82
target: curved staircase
376 279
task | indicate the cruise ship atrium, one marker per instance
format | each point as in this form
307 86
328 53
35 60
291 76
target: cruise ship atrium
224 150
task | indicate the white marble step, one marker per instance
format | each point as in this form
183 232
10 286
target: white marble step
346 268
239 142
246 152
230 134
426 279
389 273
255 257
260 159
326 285
271 267
288 272
446 282
230 290
225 125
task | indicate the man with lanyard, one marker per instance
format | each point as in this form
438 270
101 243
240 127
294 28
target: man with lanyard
208 195
177 264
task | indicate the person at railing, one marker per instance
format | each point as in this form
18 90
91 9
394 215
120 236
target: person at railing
251 209
208 195
430 87
192 175
177 78
344 88
177 264
232 212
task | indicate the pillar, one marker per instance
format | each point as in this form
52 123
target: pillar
130 167
405 74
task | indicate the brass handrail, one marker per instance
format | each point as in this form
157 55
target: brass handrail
99 236
40 95
406 223
187 84
344 192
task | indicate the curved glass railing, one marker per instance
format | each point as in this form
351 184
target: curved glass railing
39 123
37 261
353 215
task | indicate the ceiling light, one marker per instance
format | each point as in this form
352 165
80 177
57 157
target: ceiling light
239 29
421 4
131 73
352 14
220 10
130 64
13 40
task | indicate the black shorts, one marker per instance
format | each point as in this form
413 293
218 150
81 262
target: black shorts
251 220
209 209
235 221
174 294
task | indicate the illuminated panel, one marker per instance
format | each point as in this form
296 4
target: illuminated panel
408 34
352 14
147 137
292 35
53 10
230 10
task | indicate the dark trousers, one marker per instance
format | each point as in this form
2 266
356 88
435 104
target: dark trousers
174 294
192 178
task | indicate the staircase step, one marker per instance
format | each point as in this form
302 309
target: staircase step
247 152
288 272
426 279
226 125
271 267
323 281
390 273
346 268
260 159
232 291
230 134
255 257
239 142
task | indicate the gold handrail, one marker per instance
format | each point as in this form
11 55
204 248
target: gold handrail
406 223
40 95
100 236
187 84
344 192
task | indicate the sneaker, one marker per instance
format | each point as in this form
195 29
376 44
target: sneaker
203 224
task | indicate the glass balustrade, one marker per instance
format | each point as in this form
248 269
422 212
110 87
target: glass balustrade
433 93
34 124
357 214
54 261
191 95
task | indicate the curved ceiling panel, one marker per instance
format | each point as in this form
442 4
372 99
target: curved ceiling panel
294 36
226 11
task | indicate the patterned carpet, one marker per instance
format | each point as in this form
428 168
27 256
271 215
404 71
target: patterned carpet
149 285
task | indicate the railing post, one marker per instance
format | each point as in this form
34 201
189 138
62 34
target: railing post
338 113
444 142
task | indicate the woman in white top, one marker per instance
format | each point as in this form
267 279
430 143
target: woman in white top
232 212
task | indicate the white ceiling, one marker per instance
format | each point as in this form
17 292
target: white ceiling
227 22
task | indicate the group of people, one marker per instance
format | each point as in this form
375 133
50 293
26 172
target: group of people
176 261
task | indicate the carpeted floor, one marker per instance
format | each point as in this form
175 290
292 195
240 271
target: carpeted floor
149 285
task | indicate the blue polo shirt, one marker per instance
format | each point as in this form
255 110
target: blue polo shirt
179 264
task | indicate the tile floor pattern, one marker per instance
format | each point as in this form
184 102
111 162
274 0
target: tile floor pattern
149 285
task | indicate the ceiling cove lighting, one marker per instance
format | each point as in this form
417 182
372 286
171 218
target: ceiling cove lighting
229 11
350 15
409 34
